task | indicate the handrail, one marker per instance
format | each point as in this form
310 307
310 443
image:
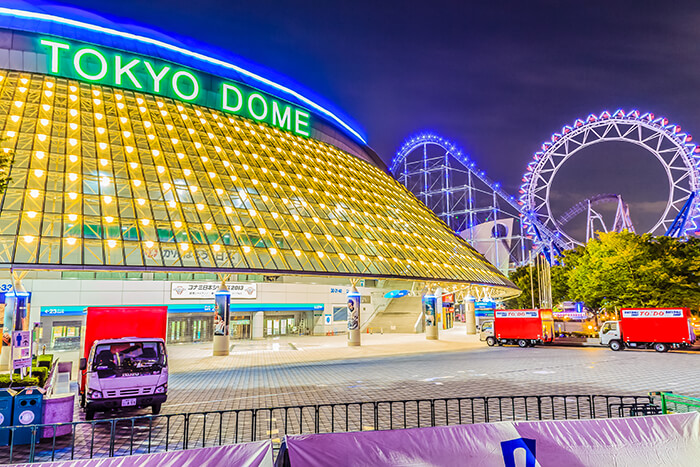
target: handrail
675 403
157 433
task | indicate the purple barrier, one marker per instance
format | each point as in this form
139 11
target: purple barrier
58 409
661 440
244 455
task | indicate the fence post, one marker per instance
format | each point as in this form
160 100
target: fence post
317 422
376 416
31 449
186 435
253 422
112 431
204 430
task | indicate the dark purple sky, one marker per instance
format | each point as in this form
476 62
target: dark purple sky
495 77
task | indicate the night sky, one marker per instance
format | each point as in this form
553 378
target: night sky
496 78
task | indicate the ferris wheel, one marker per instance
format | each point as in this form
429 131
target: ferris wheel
679 157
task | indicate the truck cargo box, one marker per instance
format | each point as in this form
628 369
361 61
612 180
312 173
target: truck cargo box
110 322
667 325
524 324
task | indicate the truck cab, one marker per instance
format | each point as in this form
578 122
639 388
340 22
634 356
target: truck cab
120 373
486 330
610 335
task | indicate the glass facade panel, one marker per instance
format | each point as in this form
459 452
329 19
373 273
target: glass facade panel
111 177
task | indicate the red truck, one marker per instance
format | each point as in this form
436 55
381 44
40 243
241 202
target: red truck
526 328
124 362
644 328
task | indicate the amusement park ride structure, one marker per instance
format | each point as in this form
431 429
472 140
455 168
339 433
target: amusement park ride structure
510 230
622 215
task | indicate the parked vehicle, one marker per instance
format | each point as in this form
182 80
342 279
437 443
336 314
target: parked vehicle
645 328
574 332
526 328
125 362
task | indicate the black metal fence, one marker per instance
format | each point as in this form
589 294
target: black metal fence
167 432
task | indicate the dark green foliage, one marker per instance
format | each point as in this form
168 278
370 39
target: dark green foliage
622 270
42 373
45 360
17 382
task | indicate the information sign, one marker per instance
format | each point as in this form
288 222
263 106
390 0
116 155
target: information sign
21 349
207 290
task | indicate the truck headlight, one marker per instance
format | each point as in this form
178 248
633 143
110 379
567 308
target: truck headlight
92 394
162 388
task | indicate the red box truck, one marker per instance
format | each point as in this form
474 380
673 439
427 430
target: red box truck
645 328
525 328
124 362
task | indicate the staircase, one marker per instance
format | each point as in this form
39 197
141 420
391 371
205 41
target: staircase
399 316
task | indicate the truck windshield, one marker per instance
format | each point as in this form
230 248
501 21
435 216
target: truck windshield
128 358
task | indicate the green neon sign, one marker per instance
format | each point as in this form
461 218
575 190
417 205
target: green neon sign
114 68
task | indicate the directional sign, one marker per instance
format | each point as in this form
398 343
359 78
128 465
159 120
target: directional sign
21 349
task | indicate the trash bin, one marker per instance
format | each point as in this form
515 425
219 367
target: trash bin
27 411
5 415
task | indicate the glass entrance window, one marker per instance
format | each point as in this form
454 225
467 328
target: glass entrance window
240 327
66 335
283 326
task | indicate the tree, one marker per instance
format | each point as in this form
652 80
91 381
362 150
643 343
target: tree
521 278
627 270
619 270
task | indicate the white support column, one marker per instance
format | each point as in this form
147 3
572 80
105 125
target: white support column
354 301
16 317
429 306
257 324
470 314
438 309
222 318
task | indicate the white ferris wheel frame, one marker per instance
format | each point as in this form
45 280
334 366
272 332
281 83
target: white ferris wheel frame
671 148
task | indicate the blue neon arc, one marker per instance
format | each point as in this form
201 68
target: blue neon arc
173 48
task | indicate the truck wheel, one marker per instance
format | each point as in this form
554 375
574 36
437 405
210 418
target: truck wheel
616 345
490 341
156 409
89 414
522 343
660 347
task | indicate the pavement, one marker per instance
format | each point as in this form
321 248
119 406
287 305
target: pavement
286 350
316 370
294 370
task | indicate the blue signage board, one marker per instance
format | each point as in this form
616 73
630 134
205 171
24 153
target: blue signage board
396 294
192 308
277 307
484 305
63 310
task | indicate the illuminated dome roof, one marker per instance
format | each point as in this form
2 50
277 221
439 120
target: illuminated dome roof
107 177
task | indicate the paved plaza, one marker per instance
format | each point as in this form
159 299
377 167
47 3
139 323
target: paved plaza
294 371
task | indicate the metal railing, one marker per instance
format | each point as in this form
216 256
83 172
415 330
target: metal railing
166 432
676 403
